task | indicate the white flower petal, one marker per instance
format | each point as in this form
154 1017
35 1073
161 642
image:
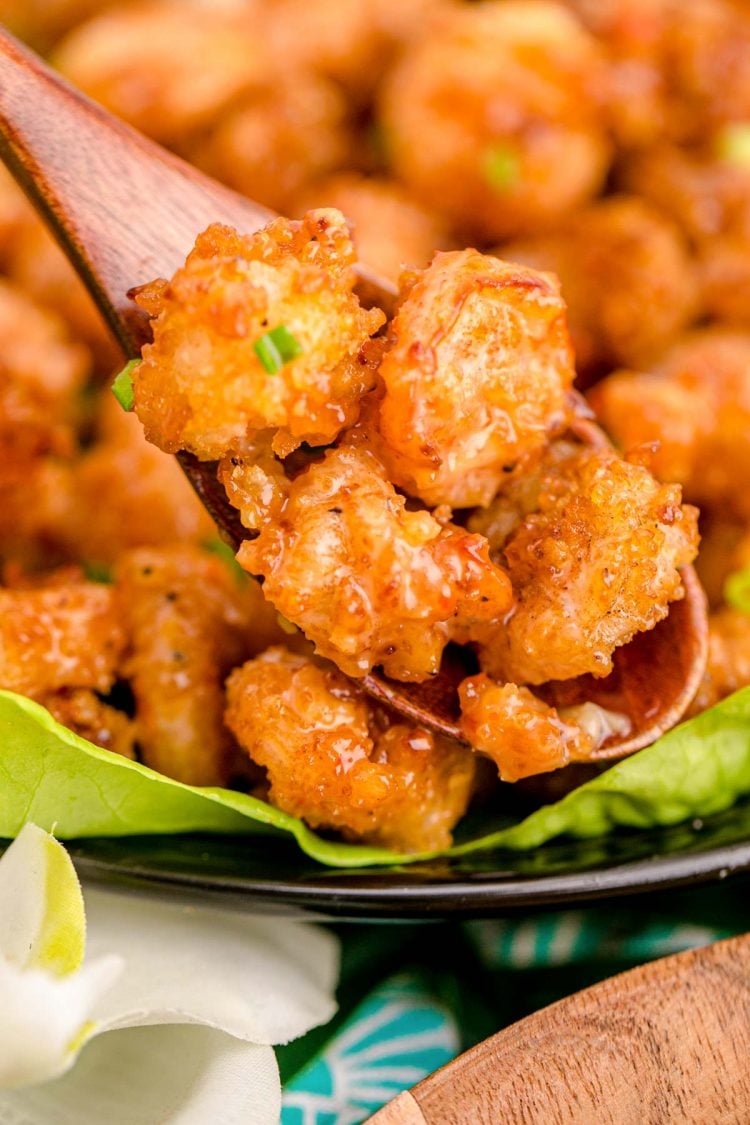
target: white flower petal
42 922
175 1075
45 1019
262 980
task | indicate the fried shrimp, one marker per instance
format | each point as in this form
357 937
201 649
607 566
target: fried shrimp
520 733
497 117
614 259
475 376
82 711
187 627
367 580
696 405
41 373
597 563
260 332
337 763
63 636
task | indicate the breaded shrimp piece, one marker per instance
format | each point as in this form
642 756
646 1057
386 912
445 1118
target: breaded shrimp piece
364 578
627 278
696 404
350 43
521 734
203 386
140 495
167 68
475 376
279 138
186 623
497 117
597 563
64 636
390 229
81 711
707 192
728 667
41 372
336 763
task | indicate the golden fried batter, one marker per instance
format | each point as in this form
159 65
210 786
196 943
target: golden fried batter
390 229
64 636
597 563
83 712
167 68
520 733
696 404
728 667
187 625
41 373
475 376
337 764
202 385
708 194
367 580
140 495
275 142
496 117
614 260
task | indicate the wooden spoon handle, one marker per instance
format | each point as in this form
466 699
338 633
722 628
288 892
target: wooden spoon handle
666 1042
101 185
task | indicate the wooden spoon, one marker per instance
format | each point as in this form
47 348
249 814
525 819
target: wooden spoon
666 1042
126 211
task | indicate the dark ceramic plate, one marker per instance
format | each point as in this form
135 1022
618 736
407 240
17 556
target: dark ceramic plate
270 874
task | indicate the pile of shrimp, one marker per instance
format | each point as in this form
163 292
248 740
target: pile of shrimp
408 481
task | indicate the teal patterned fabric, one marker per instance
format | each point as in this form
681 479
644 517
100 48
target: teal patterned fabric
413 997
397 1036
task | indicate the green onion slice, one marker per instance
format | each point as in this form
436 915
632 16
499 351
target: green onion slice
276 348
737 590
732 144
501 167
122 387
223 551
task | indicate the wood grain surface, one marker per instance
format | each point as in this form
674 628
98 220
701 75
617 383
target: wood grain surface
666 1043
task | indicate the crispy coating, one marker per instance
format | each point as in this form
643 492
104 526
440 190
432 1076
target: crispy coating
349 43
42 22
390 229
708 193
334 762
140 495
522 735
63 636
167 68
187 625
41 372
367 580
597 563
279 139
696 404
202 385
475 376
497 117
83 712
614 259
728 667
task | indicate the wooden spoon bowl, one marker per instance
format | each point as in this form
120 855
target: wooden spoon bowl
126 211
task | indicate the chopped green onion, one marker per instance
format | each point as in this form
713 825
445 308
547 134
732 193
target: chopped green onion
501 167
276 348
737 590
732 144
122 387
224 552
98 572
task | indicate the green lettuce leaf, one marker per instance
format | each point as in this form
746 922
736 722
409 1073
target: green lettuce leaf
69 786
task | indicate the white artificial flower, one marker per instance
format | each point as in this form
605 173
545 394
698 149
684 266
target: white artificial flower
192 999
